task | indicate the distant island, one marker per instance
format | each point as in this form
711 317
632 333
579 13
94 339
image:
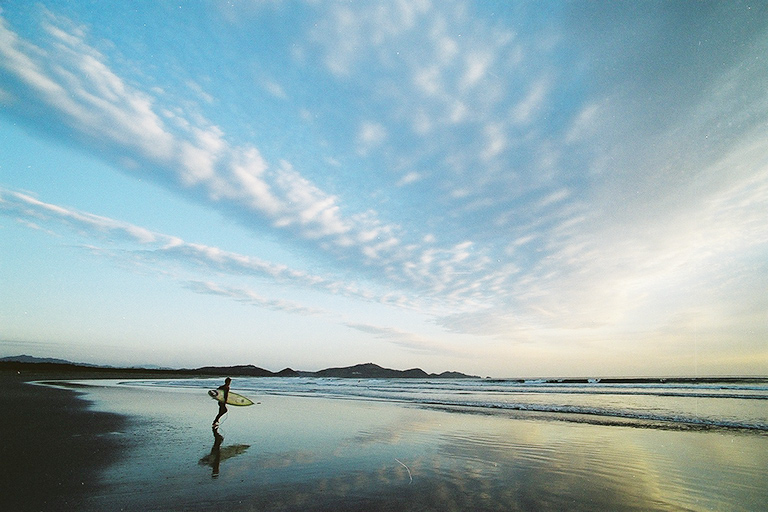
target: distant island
359 371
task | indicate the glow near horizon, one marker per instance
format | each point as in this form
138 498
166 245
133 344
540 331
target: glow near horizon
495 188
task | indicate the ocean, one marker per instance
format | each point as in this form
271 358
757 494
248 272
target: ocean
730 403
314 444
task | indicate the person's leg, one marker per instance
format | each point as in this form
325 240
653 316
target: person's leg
222 412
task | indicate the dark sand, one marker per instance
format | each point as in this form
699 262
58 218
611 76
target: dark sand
53 448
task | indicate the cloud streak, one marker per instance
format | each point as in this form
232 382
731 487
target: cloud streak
407 340
250 297
145 245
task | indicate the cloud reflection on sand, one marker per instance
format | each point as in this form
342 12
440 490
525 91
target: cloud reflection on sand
320 454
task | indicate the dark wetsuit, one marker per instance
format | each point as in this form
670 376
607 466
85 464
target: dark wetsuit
222 404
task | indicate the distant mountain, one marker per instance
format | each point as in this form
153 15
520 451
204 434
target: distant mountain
365 371
454 375
359 371
247 370
33 359
374 371
287 372
150 367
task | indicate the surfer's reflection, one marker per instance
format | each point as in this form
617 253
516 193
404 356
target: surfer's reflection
218 453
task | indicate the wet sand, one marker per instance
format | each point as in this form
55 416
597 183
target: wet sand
53 447
155 450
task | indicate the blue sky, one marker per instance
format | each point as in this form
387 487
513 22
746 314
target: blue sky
499 188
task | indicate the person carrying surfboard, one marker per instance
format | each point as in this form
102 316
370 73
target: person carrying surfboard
223 403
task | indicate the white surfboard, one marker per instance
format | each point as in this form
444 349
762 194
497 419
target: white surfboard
232 398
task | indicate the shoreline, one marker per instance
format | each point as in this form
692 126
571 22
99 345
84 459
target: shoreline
54 447
125 447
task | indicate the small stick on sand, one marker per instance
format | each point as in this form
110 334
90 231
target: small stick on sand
408 470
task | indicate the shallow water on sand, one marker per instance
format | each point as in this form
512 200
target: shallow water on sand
682 403
302 453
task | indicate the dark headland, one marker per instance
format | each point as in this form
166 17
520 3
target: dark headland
360 371
40 368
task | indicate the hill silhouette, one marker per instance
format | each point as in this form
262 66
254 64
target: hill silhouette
359 371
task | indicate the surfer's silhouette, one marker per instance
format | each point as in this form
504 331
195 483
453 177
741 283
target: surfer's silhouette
223 403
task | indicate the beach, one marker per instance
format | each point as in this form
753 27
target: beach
53 446
126 445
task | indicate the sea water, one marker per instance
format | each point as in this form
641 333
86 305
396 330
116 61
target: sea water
432 444
671 403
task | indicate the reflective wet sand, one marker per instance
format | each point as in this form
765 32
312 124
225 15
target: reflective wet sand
292 453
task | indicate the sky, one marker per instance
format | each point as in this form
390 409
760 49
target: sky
507 189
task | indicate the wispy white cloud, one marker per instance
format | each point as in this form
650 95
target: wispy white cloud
250 297
275 89
525 110
496 141
369 136
145 245
408 340
26 208
200 91
476 68
584 124
355 37
71 79
409 178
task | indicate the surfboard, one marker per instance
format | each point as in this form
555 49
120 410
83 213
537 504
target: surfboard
232 398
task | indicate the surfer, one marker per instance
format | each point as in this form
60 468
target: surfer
223 403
